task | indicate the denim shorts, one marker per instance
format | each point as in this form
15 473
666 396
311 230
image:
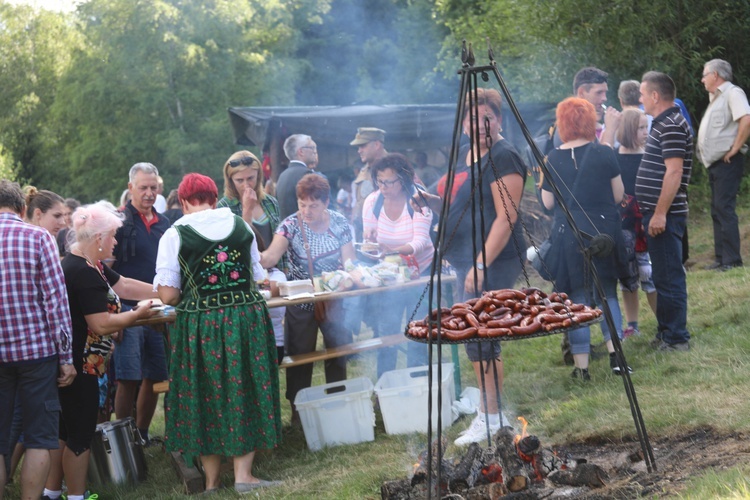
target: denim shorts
644 270
140 354
37 385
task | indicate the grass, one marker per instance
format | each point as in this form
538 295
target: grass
677 392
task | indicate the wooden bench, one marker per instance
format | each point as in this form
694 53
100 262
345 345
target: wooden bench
330 353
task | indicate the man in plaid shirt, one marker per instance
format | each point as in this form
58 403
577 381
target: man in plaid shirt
35 338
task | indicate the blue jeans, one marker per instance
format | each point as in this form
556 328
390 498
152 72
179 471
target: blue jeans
669 278
580 339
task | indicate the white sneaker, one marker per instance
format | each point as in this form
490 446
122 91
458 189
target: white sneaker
476 432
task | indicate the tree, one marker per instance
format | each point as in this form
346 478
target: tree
154 80
34 54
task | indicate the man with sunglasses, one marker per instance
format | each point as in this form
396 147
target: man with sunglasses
302 153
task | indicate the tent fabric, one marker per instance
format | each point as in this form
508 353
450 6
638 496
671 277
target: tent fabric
407 126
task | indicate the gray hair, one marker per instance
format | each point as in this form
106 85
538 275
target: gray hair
144 167
629 92
293 143
722 68
11 196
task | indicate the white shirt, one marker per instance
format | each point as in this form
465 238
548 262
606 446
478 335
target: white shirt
211 224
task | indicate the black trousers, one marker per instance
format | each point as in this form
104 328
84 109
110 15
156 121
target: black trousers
301 335
724 179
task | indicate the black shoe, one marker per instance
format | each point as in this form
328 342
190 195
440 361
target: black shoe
581 373
713 266
727 267
680 346
615 367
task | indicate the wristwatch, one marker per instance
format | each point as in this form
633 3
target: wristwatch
479 266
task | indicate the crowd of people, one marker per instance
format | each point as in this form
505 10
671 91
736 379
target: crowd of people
75 278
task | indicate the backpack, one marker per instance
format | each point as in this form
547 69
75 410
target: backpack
378 207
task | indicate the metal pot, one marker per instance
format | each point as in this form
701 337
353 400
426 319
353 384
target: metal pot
117 453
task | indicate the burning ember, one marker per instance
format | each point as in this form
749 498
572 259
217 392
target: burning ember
513 463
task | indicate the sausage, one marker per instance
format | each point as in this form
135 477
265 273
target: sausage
505 322
496 332
532 290
532 327
444 311
555 318
418 331
459 334
481 304
460 312
553 326
583 317
500 312
460 305
472 320
473 301
484 317
509 293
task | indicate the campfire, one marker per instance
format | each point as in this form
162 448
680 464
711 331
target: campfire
514 463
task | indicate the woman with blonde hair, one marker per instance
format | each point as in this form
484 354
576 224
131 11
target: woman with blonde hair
244 196
94 292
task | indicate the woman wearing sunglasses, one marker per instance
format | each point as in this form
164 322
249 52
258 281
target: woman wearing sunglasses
244 196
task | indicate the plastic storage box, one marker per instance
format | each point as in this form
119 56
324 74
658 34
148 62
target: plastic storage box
337 413
402 395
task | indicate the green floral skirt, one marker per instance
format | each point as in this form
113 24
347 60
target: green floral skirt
224 382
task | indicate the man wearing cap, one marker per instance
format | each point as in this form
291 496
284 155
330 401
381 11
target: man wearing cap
302 153
370 144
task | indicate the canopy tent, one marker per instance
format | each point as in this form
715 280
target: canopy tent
414 127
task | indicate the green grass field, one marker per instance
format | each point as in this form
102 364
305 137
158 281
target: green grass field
678 393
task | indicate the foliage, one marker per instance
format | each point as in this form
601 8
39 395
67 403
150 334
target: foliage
540 45
154 81
34 54
7 168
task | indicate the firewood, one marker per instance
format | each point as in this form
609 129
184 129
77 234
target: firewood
514 471
396 490
585 474
490 491
466 472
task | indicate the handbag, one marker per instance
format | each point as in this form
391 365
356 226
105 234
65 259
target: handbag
320 308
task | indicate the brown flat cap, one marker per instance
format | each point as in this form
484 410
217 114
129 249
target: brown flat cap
368 134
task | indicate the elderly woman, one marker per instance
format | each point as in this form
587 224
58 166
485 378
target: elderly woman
94 292
499 175
223 375
588 176
319 239
245 196
389 220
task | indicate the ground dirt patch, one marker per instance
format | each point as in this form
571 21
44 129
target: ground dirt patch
677 459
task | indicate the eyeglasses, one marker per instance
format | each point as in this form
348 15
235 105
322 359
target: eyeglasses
313 148
247 160
386 184
707 73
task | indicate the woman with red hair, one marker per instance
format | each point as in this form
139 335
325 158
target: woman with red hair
224 381
588 176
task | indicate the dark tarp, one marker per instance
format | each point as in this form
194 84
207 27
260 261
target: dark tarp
418 127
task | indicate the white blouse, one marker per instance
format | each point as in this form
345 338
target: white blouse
211 224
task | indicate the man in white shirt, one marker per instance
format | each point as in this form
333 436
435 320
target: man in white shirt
722 135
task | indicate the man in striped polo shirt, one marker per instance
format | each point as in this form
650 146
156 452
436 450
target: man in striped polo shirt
661 191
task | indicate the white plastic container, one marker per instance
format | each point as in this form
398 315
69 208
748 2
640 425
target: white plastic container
294 287
402 395
337 413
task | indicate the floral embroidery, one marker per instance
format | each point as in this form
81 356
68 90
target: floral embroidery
223 269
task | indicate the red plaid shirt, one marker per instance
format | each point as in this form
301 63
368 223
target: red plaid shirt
34 312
